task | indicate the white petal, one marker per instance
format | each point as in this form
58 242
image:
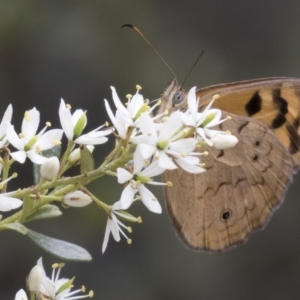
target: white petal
136 102
186 165
127 196
147 127
146 150
171 126
123 175
119 105
115 228
29 127
138 160
19 156
106 235
66 122
49 138
13 138
9 203
188 120
76 115
87 140
153 170
110 113
36 158
165 162
192 102
149 200
184 145
6 120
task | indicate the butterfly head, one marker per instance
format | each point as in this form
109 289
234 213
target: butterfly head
173 98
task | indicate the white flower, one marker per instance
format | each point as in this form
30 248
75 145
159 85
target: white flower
58 288
135 185
4 123
202 121
49 168
77 199
28 142
168 143
127 116
114 225
21 295
73 126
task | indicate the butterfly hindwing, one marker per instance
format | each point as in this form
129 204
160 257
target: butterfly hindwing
238 192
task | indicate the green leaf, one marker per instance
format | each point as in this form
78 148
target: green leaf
55 151
87 162
17 227
45 212
59 248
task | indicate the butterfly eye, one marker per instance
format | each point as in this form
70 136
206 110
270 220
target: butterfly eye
225 215
178 98
255 157
257 143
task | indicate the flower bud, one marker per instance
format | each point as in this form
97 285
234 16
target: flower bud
50 168
77 199
35 279
74 156
224 141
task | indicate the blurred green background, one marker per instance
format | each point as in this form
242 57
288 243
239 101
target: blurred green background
75 50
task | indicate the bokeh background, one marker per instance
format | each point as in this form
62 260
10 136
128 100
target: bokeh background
76 50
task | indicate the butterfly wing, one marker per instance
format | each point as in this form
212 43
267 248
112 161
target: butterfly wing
273 101
237 194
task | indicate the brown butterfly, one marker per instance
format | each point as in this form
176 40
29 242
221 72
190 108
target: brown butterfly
242 186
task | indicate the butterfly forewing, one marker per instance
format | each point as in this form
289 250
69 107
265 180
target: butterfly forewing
273 101
242 186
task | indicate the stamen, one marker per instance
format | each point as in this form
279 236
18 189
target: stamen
21 135
128 96
129 229
216 96
56 142
91 294
48 124
139 219
228 118
68 106
169 183
106 124
138 87
205 153
129 241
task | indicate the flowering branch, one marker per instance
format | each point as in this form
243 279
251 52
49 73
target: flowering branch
145 147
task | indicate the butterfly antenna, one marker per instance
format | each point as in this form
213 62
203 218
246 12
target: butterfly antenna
194 64
146 40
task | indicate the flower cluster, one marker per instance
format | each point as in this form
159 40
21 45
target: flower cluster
42 287
146 146
160 146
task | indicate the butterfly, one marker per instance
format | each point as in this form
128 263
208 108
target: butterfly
242 186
